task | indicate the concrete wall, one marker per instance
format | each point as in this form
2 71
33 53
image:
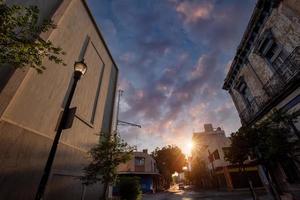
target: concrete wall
30 112
209 142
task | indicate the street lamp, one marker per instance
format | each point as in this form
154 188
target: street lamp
79 69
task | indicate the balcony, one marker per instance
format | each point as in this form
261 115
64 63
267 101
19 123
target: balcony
285 74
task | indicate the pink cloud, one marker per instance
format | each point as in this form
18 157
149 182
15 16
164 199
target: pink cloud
193 12
199 68
127 57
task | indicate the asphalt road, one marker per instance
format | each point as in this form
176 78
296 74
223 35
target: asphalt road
176 194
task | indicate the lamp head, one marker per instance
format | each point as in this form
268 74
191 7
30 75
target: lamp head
80 67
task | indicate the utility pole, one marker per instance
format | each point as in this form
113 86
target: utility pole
121 122
120 93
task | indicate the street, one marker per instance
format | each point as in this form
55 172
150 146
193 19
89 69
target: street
176 194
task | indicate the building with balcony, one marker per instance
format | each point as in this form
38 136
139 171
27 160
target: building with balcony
142 165
31 103
265 72
209 148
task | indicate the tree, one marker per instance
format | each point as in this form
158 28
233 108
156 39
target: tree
270 141
106 156
169 159
20 41
200 174
241 143
130 188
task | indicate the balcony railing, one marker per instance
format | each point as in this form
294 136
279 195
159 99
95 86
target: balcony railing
289 70
284 74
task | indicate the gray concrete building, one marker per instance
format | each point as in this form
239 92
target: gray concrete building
210 146
30 105
264 73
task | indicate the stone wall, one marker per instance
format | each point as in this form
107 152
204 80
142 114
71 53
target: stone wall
285 25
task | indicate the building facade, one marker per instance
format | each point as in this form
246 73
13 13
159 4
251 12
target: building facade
144 166
264 74
30 105
209 148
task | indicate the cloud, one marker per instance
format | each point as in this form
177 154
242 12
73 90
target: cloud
199 69
216 24
172 57
127 57
193 11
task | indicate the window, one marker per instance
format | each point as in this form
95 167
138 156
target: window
244 90
246 93
216 155
271 50
213 156
139 161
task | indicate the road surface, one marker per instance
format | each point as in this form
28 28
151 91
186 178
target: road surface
175 194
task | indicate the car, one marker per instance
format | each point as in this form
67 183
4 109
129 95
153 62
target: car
181 186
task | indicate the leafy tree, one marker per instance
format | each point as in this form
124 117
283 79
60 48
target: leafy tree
106 156
241 143
130 188
270 141
169 159
20 41
200 174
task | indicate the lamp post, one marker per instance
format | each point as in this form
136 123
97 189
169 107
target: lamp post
79 70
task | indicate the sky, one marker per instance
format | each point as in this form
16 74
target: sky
173 56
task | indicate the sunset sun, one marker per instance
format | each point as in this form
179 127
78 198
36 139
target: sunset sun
188 147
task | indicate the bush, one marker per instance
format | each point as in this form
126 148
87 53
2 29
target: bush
129 188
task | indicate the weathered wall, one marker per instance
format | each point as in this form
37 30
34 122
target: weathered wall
285 25
27 125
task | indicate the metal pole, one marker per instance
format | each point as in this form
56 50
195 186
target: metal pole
47 170
118 108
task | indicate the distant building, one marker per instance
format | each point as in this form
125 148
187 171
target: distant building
209 147
30 105
264 73
144 166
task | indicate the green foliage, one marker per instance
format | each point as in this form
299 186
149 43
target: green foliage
270 141
129 188
169 159
106 156
241 143
20 41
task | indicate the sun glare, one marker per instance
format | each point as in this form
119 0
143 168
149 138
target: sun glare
188 148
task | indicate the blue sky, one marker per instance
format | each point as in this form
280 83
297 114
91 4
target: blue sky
173 56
